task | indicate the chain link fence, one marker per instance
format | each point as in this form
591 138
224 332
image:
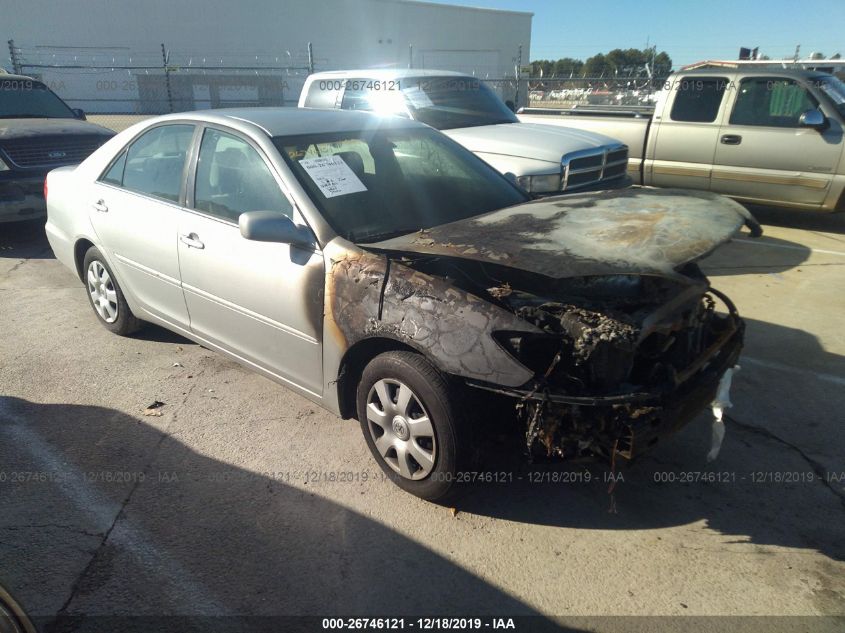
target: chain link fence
117 87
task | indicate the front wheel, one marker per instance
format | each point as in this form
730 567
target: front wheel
408 419
106 297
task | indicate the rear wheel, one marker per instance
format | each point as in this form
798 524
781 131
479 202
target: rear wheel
106 297
408 419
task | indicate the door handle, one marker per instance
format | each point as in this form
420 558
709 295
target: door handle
192 240
731 139
100 206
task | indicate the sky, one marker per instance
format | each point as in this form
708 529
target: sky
687 30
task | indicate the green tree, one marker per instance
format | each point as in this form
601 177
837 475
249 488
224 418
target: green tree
631 62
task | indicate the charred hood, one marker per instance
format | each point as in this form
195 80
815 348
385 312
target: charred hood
632 231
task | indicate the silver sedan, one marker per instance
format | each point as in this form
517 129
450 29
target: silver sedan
383 271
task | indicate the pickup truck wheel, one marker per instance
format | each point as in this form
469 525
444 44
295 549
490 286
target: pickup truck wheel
106 297
409 423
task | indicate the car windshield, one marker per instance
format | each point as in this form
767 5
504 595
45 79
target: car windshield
29 99
442 102
376 184
834 88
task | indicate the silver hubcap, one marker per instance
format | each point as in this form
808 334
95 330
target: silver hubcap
103 294
401 429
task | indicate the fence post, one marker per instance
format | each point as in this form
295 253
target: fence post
13 56
310 59
164 61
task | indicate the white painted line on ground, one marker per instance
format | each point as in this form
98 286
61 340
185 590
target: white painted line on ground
809 373
102 512
788 246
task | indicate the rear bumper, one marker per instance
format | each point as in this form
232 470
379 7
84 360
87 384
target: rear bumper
22 197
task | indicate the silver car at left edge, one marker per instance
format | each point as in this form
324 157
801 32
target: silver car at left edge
380 269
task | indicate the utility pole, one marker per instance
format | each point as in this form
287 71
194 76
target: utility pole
410 55
165 59
518 73
310 59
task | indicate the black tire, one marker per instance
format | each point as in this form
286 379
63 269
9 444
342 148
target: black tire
124 322
432 391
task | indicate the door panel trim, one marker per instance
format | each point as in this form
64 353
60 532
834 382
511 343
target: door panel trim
770 178
144 269
681 169
249 313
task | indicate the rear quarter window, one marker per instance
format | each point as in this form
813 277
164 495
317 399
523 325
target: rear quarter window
697 99
323 93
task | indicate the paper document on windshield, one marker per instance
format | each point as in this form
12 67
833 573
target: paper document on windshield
332 175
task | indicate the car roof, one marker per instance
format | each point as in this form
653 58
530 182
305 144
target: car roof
286 121
387 73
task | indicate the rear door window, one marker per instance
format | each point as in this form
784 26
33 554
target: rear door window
697 100
155 162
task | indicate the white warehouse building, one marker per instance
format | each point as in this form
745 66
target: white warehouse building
151 56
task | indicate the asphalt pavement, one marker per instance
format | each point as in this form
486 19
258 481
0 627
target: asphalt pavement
238 497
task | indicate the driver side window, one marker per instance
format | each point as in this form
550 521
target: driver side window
771 102
232 178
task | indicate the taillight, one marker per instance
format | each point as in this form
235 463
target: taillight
45 189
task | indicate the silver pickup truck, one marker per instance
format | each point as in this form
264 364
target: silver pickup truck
762 135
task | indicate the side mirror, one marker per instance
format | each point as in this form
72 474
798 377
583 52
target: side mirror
272 226
511 105
79 114
814 119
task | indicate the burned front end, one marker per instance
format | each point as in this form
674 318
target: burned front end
589 312
619 362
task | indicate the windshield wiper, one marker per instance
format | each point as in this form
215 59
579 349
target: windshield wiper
385 235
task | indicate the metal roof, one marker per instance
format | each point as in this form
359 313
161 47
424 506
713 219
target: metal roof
757 71
795 64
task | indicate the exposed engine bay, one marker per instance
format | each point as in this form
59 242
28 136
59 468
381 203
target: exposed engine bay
617 360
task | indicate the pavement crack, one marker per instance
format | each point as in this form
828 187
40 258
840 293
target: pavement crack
15 267
827 236
818 468
165 433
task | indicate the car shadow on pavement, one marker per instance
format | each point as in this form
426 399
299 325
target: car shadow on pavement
779 479
798 219
155 333
24 240
744 256
137 523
